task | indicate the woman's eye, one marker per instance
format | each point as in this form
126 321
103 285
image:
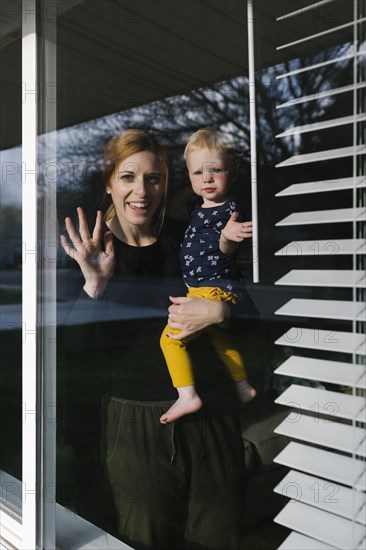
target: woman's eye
217 170
198 173
154 179
126 177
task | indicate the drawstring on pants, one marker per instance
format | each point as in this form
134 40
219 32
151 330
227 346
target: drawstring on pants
172 440
203 436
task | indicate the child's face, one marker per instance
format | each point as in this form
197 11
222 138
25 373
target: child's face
209 176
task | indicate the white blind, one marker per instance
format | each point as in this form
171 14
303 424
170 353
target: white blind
326 480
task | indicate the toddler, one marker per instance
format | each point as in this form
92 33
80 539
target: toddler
208 254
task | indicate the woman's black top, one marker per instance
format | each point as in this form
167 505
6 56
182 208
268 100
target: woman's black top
143 279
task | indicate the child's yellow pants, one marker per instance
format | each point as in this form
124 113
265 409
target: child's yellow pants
176 353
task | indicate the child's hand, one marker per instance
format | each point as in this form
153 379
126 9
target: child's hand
235 231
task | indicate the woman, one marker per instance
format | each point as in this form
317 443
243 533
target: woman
176 485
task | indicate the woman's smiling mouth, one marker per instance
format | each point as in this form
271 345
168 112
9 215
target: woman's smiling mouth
139 206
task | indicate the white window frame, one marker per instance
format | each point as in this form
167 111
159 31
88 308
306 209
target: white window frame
29 275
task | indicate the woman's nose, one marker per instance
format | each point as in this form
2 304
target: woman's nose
140 186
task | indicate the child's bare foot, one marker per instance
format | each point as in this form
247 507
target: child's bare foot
188 402
246 391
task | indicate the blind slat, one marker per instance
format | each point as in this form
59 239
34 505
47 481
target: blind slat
310 7
322 125
319 156
322 186
324 216
320 493
297 541
322 64
319 524
325 340
326 464
323 94
319 34
323 248
324 309
345 278
333 372
335 435
325 402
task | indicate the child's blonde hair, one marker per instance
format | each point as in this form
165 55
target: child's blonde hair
214 140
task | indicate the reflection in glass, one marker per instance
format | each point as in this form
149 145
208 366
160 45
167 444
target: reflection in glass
88 348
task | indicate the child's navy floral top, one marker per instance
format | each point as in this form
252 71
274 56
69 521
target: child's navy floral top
202 262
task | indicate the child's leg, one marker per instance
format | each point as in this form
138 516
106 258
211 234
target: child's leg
234 362
180 370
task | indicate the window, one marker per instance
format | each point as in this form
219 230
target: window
92 68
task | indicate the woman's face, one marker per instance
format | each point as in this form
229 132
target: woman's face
137 188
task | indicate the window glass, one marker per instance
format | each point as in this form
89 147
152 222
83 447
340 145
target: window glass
120 74
171 68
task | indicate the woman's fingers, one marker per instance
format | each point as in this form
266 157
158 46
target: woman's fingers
108 243
176 311
179 299
83 225
181 336
97 231
72 249
96 265
73 234
66 245
191 315
82 238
